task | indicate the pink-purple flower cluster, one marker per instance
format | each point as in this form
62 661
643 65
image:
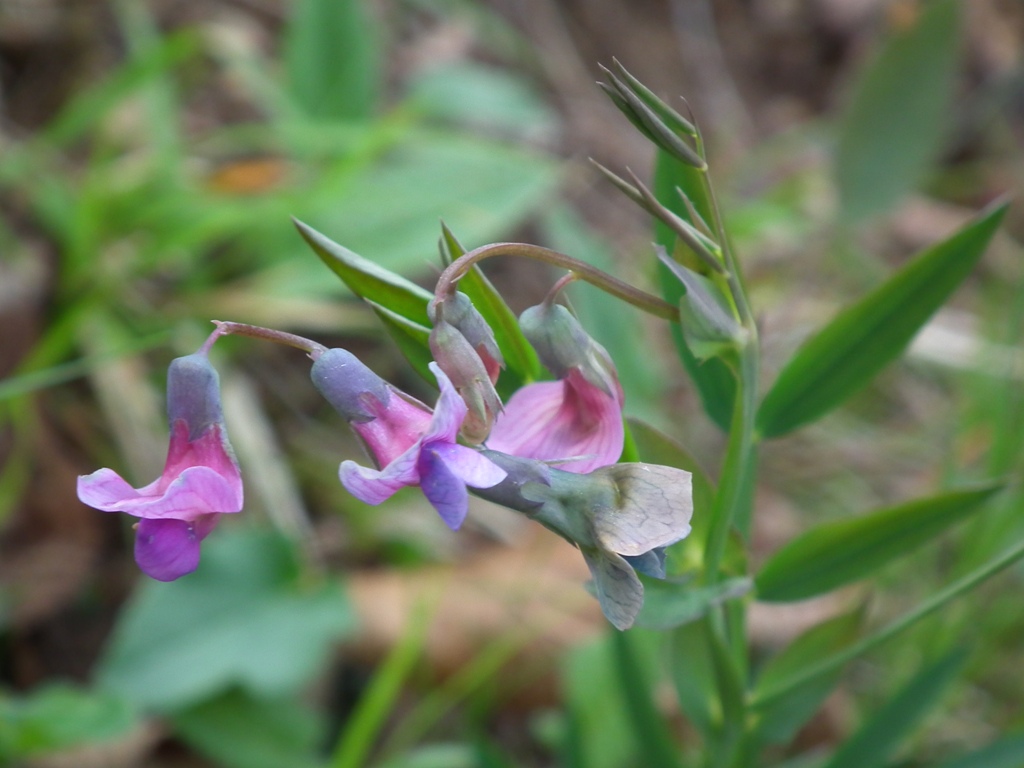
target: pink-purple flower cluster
547 452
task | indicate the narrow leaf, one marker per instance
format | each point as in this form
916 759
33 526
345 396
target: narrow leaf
900 113
862 339
522 365
874 743
837 553
368 280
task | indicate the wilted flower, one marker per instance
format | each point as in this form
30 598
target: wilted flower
410 446
621 517
200 480
576 421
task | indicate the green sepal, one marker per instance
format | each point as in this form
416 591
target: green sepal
368 280
837 553
865 337
708 325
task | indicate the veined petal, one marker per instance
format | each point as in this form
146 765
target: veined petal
470 466
167 549
449 412
618 588
443 488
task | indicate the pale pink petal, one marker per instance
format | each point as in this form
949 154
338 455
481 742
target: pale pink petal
167 549
449 412
442 488
374 486
105 490
469 466
568 419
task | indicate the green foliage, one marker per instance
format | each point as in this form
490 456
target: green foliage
779 721
838 553
332 59
248 617
58 718
877 739
863 338
1007 752
899 115
240 731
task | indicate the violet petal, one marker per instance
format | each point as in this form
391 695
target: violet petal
166 549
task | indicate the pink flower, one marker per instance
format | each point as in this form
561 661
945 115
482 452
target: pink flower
433 460
200 480
575 422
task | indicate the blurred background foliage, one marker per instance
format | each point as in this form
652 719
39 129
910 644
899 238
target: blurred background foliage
151 154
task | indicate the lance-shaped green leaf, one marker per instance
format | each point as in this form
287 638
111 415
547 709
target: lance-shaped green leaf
713 379
368 280
900 113
863 338
837 553
521 364
878 738
779 720
412 339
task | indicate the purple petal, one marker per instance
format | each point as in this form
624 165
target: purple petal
442 488
449 412
167 549
470 466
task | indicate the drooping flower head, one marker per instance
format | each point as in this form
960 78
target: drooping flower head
575 421
200 481
621 517
409 445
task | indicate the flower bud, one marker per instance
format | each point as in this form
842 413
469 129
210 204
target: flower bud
469 374
458 310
